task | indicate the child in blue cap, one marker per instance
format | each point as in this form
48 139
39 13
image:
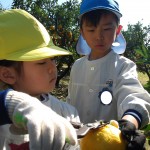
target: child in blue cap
104 85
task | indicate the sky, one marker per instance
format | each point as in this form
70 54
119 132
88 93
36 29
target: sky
132 11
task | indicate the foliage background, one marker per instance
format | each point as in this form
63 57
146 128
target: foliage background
61 21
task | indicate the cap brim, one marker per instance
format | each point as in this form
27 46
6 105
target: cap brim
39 53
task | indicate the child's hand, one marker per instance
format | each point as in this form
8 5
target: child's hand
134 137
47 130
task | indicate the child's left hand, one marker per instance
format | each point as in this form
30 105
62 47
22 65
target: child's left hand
135 138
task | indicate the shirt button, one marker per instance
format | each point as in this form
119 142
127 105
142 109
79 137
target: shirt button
90 90
92 68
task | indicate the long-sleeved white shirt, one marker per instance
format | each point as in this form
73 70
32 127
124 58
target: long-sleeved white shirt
115 73
62 108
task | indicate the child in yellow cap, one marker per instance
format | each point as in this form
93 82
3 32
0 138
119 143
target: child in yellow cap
27 66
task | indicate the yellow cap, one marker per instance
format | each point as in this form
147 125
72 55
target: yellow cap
24 38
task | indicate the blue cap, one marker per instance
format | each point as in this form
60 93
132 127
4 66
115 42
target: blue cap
89 5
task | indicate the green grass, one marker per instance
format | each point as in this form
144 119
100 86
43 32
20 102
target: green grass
147 146
143 78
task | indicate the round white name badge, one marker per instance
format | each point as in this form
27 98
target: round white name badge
105 97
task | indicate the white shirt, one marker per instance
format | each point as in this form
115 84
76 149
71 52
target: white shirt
60 107
114 73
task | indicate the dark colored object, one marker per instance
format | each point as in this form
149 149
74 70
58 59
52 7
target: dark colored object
4 117
82 129
134 137
62 72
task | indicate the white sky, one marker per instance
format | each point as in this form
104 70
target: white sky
132 11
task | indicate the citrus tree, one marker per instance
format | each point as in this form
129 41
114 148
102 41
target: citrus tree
138 46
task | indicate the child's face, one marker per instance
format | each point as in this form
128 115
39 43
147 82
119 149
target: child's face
100 37
37 77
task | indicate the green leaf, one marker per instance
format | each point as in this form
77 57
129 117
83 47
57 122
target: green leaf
146 128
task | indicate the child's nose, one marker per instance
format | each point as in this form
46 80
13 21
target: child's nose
99 35
52 66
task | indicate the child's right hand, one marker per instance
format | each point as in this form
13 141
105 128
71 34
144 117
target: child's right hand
46 129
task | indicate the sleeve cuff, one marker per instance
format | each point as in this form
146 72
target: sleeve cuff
135 114
13 98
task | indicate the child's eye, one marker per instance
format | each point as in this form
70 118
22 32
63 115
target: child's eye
107 29
91 30
41 63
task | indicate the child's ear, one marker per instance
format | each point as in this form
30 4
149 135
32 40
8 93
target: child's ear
7 75
119 29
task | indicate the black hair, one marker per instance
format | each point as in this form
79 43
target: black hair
10 63
93 17
7 63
